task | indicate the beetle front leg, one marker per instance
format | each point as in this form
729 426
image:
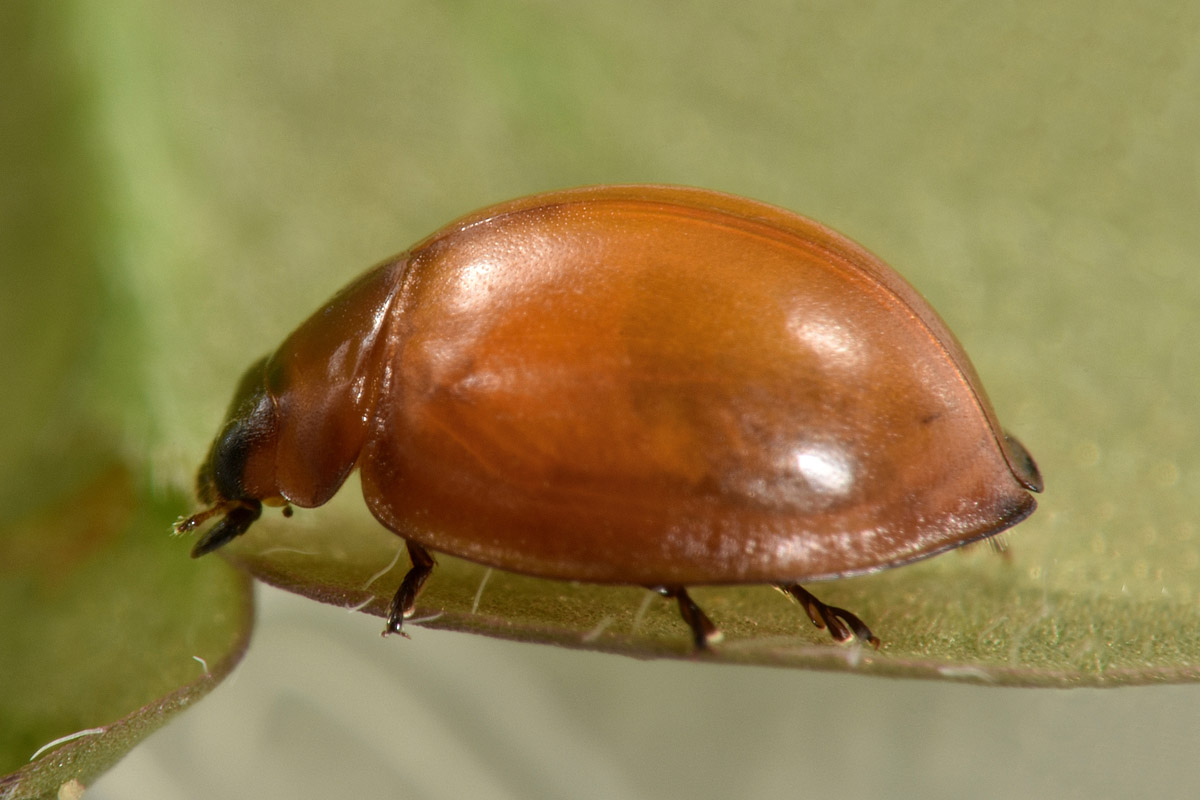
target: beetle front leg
240 515
406 596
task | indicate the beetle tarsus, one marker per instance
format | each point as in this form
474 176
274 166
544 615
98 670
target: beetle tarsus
237 520
405 600
840 622
704 632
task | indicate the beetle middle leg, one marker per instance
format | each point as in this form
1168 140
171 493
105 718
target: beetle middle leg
704 632
406 596
840 622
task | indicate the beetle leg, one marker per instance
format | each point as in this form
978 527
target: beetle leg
235 522
406 596
704 632
839 621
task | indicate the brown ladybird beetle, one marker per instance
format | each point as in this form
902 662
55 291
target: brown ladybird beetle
643 385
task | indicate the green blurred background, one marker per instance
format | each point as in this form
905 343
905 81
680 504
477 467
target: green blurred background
186 181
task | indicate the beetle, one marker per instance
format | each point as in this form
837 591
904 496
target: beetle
643 385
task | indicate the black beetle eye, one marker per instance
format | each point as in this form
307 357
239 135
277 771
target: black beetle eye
229 460
248 421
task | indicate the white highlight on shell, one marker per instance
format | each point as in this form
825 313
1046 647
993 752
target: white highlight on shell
829 339
825 468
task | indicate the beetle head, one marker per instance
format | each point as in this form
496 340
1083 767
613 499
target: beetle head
239 472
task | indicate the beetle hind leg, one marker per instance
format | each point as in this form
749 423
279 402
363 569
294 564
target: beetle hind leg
704 632
840 622
405 600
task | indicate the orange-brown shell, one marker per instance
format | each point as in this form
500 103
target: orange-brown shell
647 385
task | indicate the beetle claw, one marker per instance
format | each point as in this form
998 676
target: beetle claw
393 627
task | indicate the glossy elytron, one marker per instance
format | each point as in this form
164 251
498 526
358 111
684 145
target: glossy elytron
639 385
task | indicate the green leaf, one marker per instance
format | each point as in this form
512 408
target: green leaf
109 631
189 181
1032 173
973 616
